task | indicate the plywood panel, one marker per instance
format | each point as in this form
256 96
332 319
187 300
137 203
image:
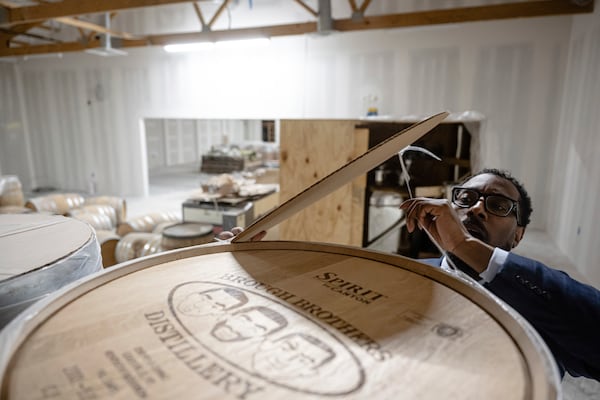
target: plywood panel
310 150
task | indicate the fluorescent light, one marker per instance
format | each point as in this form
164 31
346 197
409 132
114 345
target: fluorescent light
106 51
242 43
186 47
42 56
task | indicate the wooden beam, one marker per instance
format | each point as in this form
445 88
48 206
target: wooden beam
540 8
48 48
9 34
364 6
159 40
68 8
218 13
307 8
353 6
200 16
231 34
94 27
468 14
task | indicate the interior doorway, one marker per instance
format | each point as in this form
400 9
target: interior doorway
174 147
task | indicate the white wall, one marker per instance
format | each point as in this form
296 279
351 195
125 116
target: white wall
574 214
83 112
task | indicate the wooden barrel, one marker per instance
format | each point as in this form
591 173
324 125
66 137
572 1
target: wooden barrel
273 320
131 245
97 221
61 203
108 240
40 254
146 223
11 191
98 209
186 234
153 246
117 203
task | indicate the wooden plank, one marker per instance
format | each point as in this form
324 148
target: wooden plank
358 186
218 13
49 48
199 14
307 8
464 14
68 8
230 34
94 27
309 151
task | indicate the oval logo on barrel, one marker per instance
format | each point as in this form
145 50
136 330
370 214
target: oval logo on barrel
266 338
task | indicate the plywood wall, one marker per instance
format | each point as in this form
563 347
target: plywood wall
310 150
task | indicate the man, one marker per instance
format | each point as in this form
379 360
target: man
212 302
292 356
252 322
486 219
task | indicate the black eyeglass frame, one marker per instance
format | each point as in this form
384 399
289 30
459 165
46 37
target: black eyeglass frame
514 203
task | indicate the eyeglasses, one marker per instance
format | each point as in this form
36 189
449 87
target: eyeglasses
495 204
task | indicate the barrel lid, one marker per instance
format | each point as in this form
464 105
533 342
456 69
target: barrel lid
32 241
275 320
187 230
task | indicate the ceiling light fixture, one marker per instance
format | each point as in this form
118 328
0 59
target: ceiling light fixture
188 47
243 43
229 44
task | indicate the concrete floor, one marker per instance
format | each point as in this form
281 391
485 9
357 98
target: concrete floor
170 188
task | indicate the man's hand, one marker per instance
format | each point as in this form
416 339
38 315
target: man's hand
442 222
438 217
226 235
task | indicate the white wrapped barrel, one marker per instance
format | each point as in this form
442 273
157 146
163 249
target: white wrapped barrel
11 191
275 320
147 222
39 254
60 203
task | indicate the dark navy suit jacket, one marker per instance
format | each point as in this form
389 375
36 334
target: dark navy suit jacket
565 312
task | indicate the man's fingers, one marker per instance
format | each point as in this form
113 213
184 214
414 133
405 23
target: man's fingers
225 235
259 236
237 230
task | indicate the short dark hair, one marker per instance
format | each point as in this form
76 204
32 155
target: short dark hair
269 313
524 204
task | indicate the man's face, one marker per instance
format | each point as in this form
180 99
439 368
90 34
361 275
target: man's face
502 232
244 325
290 356
206 303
